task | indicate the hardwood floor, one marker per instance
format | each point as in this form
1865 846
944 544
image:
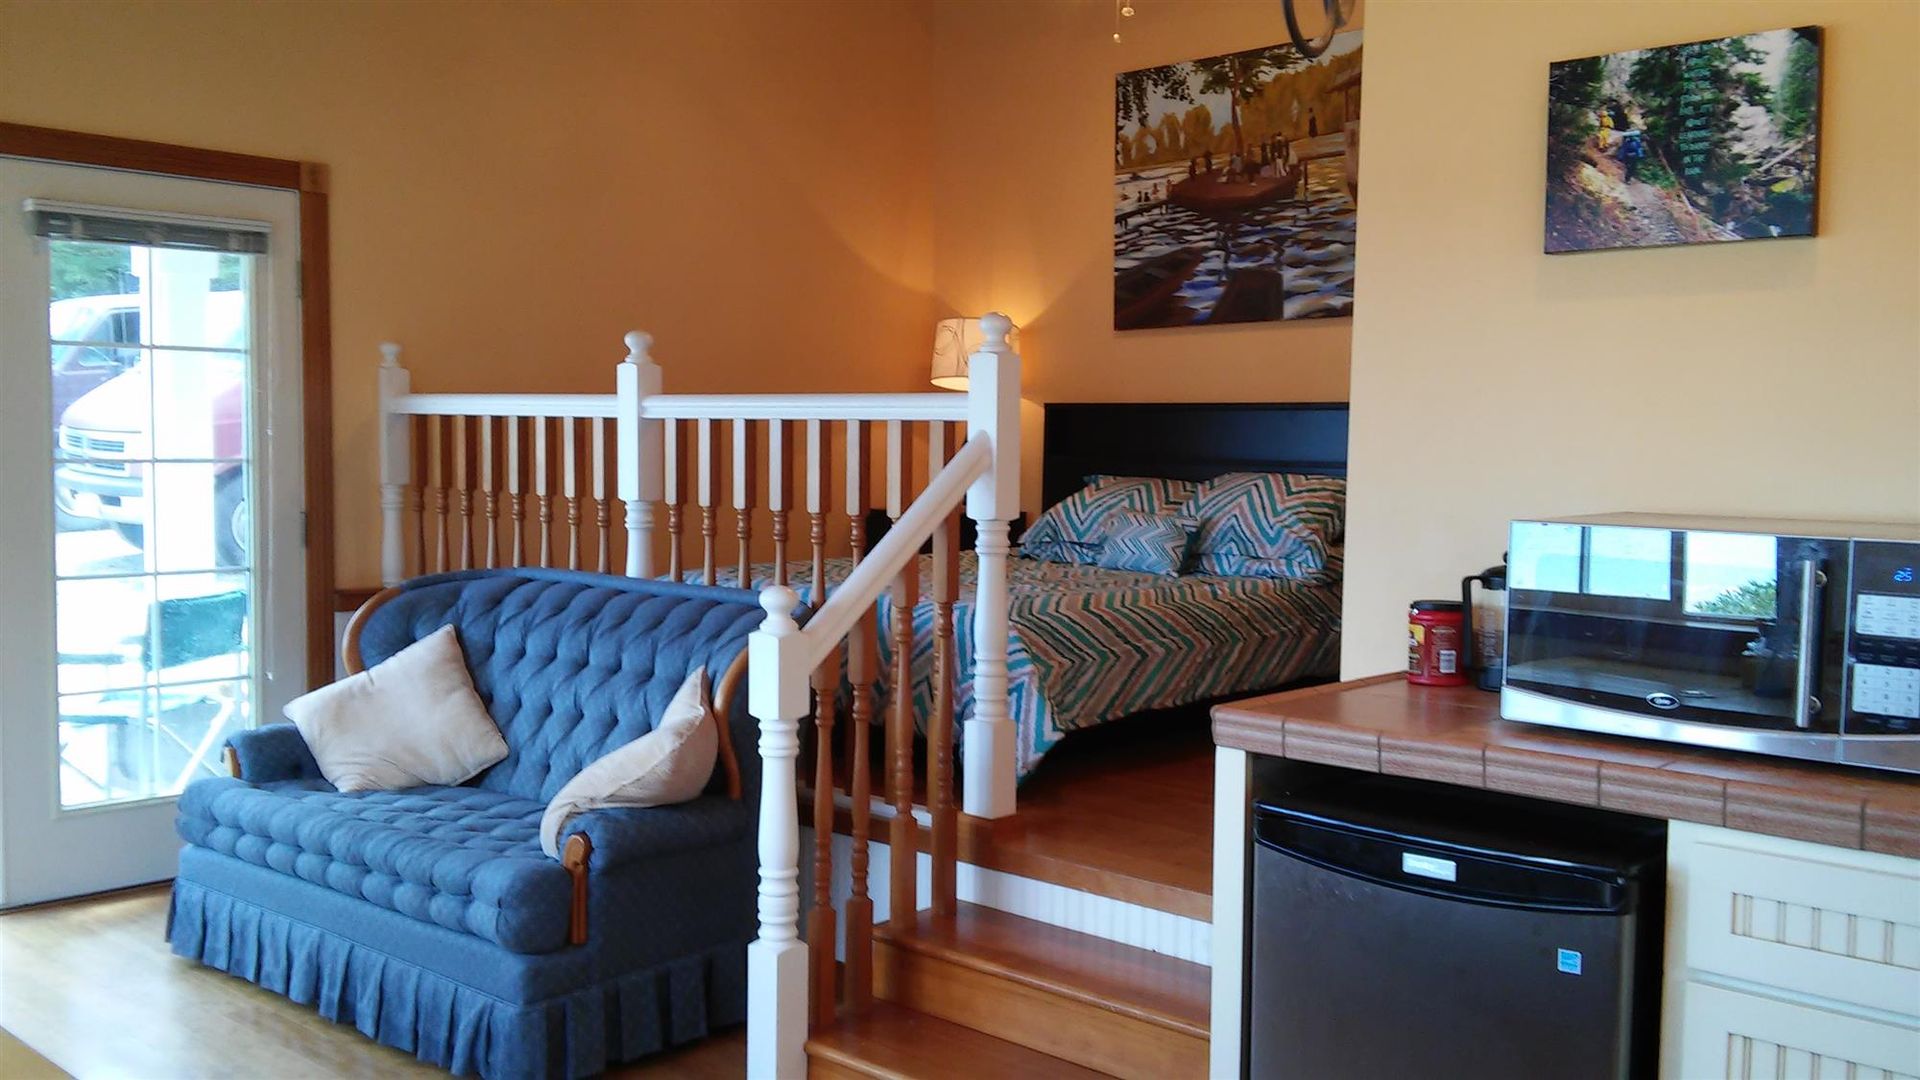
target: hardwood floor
90 985
1124 810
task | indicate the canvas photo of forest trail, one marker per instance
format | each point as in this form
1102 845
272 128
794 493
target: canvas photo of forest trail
1685 144
1235 187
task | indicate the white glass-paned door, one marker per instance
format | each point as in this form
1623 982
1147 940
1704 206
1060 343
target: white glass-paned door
153 585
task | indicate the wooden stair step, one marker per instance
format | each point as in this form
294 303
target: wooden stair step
1109 1006
886 1041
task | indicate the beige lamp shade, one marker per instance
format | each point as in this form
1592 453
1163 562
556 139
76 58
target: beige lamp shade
954 341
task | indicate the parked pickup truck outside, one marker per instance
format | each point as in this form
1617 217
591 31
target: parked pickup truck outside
104 428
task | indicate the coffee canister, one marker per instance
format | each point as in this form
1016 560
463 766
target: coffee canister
1434 643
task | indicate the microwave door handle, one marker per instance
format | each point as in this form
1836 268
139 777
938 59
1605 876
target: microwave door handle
1804 703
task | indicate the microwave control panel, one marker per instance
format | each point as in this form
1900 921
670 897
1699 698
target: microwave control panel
1883 638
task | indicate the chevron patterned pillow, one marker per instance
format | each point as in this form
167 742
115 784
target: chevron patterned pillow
1291 518
1292 568
1071 531
1147 543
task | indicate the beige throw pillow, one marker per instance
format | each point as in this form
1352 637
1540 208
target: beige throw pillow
411 719
670 764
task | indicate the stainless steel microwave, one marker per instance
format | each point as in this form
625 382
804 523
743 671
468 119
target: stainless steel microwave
1794 638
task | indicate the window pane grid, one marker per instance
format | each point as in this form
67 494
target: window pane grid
155 575
143 687
160 618
127 346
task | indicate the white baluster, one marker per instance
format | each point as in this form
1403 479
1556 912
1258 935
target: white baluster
489 492
597 446
707 490
777 695
779 491
516 510
993 409
542 495
638 470
570 488
396 464
745 465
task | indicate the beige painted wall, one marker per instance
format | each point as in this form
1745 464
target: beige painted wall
514 186
1491 381
1023 206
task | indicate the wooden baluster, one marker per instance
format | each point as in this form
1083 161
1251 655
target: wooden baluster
602 512
745 466
570 487
819 495
489 490
779 490
859 459
437 479
861 650
516 510
674 465
945 589
902 833
707 470
861 658
826 687
417 495
462 477
542 494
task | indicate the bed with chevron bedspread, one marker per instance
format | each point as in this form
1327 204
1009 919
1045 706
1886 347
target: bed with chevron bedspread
1091 645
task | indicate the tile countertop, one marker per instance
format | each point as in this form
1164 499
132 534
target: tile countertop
1456 736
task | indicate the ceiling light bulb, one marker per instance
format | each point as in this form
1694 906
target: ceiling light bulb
1116 38
1126 11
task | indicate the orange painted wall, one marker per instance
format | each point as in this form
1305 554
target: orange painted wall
514 186
1022 197
1775 378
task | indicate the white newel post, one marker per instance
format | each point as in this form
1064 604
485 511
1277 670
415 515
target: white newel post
396 464
778 696
637 449
993 409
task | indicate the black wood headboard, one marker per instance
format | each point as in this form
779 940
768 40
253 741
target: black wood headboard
1189 441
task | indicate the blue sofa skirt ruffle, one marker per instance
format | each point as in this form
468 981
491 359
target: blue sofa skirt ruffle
449 1023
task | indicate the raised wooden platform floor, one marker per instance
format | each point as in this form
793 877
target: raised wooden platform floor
1124 810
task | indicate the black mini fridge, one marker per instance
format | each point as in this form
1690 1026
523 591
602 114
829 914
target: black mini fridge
1405 929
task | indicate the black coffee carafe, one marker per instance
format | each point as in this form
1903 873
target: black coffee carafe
1483 632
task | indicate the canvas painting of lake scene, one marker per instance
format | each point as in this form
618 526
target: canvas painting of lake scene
1235 187
1685 144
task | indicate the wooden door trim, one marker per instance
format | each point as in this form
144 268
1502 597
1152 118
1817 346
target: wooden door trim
309 180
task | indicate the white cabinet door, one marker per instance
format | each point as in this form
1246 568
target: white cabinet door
1725 1033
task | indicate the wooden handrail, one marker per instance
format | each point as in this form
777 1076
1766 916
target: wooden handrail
872 575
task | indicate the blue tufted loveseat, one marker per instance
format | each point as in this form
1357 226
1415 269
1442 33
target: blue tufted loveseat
430 918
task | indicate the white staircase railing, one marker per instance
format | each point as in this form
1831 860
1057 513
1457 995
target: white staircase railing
786 993
482 480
